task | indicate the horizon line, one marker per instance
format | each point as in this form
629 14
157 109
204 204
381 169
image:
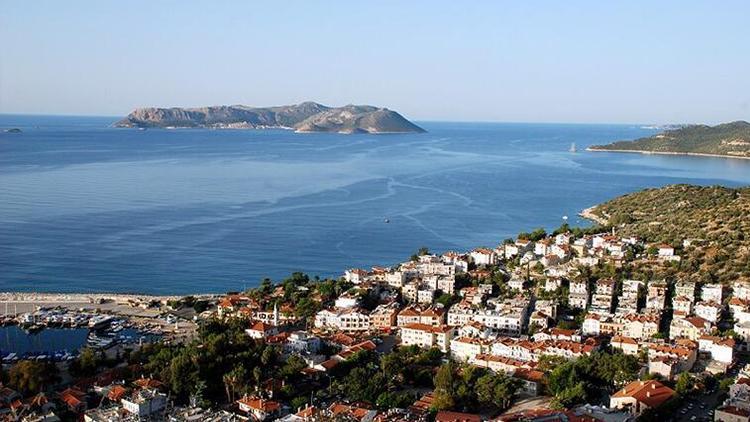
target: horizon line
428 120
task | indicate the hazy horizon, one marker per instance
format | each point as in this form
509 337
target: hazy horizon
585 62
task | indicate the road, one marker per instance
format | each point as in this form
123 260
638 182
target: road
699 407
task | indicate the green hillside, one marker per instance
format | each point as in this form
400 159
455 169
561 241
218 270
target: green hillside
730 139
716 218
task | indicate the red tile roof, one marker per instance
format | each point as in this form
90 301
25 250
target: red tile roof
652 393
445 416
255 403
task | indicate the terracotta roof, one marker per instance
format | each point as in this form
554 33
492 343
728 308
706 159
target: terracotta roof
308 412
116 393
652 393
623 339
697 321
445 416
148 383
424 327
340 409
562 332
255 403
529 375
329 364
72 397
737 411
261 326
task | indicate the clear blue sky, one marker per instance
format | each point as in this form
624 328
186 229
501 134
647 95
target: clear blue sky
538 61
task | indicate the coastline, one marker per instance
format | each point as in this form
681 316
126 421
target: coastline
646 152
588 214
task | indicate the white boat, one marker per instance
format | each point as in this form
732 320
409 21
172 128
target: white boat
100 321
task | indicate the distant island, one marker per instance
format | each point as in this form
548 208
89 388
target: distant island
304 117
724 140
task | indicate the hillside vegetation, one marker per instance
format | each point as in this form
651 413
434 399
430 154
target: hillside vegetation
730 139
715 219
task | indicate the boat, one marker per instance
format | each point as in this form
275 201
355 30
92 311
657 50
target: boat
386 221
100 321
572 147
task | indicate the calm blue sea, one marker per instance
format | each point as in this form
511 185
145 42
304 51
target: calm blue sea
85 207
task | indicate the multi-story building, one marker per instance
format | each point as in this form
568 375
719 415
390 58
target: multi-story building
427 336
708 310
685 289
352 319
384 316
712 292
465 349
433 315
641 326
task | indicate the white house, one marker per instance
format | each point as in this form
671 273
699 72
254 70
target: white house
708 310
720 349
712 292
483 256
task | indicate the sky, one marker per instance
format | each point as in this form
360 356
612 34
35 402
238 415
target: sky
509 61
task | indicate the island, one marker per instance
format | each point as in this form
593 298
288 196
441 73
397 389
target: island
724 140
302 118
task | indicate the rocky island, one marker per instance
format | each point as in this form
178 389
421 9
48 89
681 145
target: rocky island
304 117
724 140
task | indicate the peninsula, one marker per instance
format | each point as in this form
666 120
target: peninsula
724 140
304 117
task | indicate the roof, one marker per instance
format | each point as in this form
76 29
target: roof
652 393
255 403
148 383
429 328
623 339
529 375
308 412
337 409
734 411
445 416
697 321
72 397
261 326
116 393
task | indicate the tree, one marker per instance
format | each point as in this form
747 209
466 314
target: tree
29 377
444 397
298 403
292 367
86 364
233 380
684 384
181 375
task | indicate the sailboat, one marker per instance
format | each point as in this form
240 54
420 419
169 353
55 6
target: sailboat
572 147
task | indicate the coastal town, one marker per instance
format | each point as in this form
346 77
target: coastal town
541 327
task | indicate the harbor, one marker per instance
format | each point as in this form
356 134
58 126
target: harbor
54 328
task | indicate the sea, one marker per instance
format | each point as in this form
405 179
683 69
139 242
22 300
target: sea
85 207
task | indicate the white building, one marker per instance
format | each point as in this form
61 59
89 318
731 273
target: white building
427 336
708 310
720 349
145 404
712 292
